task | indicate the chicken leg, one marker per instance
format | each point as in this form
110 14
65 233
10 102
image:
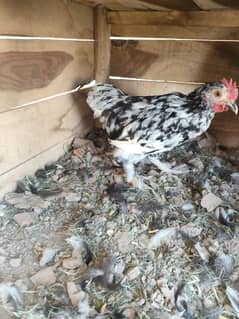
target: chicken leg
166 167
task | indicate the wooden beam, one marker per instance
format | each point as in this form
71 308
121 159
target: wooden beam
142 4
175 32
215 4
102 45
226 18
46 19
182 61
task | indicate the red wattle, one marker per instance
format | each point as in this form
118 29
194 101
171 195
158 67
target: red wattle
219 108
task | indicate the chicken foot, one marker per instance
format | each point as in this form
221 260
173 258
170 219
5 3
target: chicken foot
166 167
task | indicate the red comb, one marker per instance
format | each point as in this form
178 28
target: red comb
232 89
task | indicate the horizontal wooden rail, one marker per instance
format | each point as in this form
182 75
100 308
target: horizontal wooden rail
223 18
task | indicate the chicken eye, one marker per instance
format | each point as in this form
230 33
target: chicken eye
217 93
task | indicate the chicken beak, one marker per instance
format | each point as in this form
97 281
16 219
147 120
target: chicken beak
233 106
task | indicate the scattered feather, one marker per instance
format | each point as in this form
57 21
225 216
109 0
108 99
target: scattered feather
223 265
113 272
233 297
10 296
80 249
162 237
203 252
226 216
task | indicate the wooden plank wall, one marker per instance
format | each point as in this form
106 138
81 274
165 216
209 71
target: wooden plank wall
32 69
163 4
177 50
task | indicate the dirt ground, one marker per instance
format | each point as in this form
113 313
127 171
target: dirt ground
77 242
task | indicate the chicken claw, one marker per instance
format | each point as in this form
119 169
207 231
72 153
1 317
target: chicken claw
166 167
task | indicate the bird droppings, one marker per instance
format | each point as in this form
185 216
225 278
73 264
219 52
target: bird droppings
101 249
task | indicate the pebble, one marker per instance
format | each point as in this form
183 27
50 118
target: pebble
210 202
73 263
124 240
48 256
44 277
25 219
15 262
74 293
4 314
73 197
25 201
2 260
129 313
133 273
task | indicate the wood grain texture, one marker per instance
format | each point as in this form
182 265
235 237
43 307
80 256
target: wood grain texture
175 60
102 45
226 18
30 131
217 4
54 18
225 127
175 32
133 87
33 74
142 4
21 71
35 69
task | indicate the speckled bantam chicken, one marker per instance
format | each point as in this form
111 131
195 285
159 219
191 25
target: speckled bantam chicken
139 126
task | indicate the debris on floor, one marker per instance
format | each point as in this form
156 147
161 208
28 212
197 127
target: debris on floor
78 242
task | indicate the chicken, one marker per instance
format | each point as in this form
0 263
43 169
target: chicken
140 126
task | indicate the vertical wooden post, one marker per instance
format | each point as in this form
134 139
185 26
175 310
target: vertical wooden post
102 45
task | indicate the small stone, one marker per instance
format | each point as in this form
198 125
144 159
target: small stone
38 211
3 251
124 240
25 219
210 202
48 256
4 314
73 197
118 179
15 262
2 260
74 293
44 277
73 263
129 313
133 273
25 201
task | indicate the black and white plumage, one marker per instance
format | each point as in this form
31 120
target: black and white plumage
139 126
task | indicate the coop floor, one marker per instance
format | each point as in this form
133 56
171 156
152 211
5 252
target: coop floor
78 242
